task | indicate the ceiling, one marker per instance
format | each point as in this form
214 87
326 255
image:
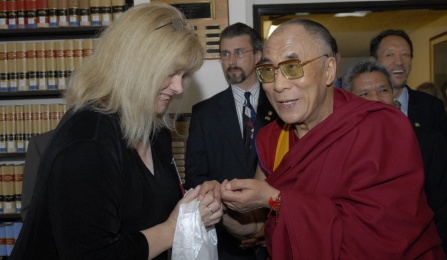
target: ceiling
353 34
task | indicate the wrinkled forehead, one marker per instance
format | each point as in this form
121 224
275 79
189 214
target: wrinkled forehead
290 42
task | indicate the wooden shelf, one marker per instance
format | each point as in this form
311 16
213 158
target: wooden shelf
31 94
55 33
10 217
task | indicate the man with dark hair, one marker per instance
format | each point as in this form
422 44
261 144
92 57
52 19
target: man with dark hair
394 49
372 81
222 128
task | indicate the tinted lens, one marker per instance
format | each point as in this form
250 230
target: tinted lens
292 70
266 74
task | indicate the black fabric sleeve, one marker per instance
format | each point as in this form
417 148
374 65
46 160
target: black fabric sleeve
84 204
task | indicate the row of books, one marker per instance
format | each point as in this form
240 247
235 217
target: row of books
18 123
15 14
9 232
11 188
41 65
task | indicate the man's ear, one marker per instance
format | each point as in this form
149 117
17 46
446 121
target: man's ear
372 58
258 56
331 70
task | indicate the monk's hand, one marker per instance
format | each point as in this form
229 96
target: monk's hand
212 187
247 194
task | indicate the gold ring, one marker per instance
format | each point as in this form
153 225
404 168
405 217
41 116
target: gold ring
210 209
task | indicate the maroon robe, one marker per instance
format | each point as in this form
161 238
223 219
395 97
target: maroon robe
352 188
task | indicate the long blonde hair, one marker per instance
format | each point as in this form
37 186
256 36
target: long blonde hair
127 68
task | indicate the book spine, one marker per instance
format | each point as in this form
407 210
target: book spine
45 123
50 58
9 204
20 129
53 20
10 241
18 180
62 109
77 53
11 13
62 12
21 66
60 64
17 227
3 15
12 66
3 144
118 8
73 13
95 12
31 64
28 123
30 14
87 48
21 22
69 57
54 115
11 146
3 68
42 14
1 190
36 119
3 239
106 12
41 66
84 12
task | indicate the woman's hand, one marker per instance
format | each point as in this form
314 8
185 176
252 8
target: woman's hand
210 208
189 196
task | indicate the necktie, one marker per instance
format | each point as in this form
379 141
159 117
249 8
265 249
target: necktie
248 121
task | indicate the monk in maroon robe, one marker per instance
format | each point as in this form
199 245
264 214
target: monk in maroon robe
339 180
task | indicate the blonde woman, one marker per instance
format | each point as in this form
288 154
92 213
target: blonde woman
106 187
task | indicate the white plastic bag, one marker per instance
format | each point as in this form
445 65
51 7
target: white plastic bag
191 239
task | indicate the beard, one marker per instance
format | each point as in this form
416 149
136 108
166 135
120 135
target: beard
235 78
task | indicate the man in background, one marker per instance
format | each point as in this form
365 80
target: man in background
394 49
372 81
222 129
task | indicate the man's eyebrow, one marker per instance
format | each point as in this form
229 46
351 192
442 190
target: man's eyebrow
292 56
265 60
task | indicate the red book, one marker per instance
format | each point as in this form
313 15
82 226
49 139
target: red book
11 13
21 13
30 14
42 13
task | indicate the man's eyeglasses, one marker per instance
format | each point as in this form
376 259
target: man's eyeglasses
291 69
240 53
178 25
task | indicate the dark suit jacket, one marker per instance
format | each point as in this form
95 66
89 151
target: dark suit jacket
427 112
215 148
434 156
36 147
215 151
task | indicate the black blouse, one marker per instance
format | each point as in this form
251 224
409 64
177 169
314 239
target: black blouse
93 194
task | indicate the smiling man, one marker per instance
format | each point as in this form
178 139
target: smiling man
394 49
329 177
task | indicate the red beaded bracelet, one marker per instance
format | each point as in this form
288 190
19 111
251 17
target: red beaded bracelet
275 205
